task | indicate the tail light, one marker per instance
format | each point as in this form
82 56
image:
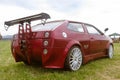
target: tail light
45 43
45 51
47 34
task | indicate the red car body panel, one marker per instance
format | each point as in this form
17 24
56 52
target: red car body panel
92 46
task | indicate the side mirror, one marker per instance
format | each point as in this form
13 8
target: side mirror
106 29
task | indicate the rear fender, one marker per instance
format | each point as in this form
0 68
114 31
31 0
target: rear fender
71 44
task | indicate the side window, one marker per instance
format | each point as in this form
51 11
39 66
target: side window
92 30
75 27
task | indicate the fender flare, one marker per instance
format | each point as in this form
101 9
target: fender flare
69 45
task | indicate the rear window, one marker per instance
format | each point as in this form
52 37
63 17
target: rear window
47 26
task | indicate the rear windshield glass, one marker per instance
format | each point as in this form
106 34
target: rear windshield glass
47 26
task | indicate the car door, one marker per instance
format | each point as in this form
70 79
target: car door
96 39
78 33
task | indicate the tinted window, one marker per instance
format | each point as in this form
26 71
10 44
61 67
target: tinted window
46 27
92 30
75 27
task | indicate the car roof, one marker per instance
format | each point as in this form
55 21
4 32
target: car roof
79 22
70 21
67 21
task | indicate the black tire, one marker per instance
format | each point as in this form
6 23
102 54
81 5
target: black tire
74 59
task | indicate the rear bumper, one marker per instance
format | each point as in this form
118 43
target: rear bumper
29 54
54 58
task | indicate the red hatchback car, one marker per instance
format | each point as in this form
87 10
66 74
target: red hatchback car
59 44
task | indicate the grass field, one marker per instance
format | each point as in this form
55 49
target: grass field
102 69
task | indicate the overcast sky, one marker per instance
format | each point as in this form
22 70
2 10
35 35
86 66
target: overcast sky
100 13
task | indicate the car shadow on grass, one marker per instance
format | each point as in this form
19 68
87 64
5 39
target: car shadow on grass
91 66
39 68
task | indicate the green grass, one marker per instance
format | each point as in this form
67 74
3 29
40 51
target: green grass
101 69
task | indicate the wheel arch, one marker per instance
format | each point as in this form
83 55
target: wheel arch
109 45
70 45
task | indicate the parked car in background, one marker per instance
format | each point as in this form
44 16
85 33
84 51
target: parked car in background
61 44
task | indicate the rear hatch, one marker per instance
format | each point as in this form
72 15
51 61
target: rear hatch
32 44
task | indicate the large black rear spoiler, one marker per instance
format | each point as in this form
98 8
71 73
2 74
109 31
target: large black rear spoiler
41 16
